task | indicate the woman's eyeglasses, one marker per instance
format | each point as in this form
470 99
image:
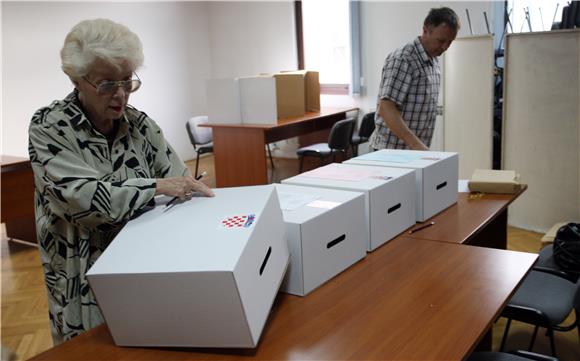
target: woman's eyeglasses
109 87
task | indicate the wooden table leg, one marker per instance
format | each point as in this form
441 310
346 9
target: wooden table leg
240 157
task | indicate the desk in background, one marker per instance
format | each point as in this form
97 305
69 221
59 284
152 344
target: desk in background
239 149
18 198
410 299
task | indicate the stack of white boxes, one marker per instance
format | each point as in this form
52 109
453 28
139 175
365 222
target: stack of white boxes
389 195
203 273
436 175
326 230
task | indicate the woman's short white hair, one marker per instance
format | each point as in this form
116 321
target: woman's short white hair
103 39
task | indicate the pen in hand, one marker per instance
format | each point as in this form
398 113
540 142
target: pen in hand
202 174
421 227
174 199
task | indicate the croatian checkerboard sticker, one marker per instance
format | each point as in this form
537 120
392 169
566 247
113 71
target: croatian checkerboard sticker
238 221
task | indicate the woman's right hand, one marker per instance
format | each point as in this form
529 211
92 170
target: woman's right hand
182 187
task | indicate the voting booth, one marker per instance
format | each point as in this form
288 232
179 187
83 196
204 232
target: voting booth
327 233
258 100
389 195
223 101
436 175
202 273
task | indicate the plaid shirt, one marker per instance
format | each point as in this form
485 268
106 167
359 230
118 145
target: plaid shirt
411 80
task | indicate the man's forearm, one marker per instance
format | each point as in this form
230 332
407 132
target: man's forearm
395 122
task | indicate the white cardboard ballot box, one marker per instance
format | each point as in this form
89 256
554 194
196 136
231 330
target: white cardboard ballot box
389 195
258 100
223 101
203 273
437 175
327 233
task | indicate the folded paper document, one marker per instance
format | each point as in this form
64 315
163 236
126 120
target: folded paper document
494 181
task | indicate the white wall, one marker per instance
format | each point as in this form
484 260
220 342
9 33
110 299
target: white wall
248 38
176 47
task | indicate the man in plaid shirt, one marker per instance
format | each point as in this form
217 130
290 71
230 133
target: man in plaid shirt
407 101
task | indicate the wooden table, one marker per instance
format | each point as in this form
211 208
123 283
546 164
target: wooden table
476 219
412 299
239 149
17 196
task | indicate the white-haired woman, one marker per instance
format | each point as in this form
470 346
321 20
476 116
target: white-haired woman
97 162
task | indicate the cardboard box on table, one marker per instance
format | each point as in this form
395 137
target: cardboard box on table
311 89
180 277
389 195
258 100
223 101
436 175
268 97
290 95
327 233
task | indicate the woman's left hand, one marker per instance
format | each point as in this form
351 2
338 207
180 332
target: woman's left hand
182 187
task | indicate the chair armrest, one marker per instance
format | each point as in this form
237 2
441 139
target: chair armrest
562 274
526 314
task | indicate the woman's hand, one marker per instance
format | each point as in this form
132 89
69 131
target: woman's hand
182 187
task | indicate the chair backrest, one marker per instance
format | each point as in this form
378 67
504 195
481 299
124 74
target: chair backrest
340 134
198 135
367 125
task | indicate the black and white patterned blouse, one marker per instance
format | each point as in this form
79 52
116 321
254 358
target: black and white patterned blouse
410 79
86 190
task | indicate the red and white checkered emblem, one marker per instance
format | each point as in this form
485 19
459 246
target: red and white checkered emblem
239 221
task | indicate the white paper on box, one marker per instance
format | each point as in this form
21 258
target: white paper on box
290 201
223 101
389 197
323 241
258 100
437 175
174 277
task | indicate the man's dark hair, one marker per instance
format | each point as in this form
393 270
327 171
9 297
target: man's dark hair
442 15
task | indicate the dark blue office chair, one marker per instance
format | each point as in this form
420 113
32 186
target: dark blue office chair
544 299
366 128
338 142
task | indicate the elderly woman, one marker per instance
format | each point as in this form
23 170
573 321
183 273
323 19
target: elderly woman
97 162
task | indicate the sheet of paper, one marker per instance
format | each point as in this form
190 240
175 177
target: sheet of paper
323 204
292 201
390 157
336 173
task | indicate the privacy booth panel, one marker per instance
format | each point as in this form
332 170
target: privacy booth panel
541 135
468 101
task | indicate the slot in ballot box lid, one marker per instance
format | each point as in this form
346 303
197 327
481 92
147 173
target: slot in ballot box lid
194 275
